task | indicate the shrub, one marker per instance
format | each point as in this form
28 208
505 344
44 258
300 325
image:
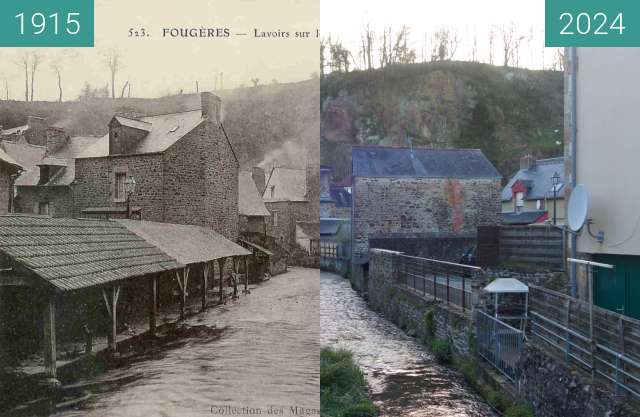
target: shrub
469 370
441 350
429 323
519 410
342 386
498 400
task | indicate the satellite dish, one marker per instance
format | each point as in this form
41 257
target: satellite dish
578 208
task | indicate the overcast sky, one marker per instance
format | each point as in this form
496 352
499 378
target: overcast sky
157 66
345 19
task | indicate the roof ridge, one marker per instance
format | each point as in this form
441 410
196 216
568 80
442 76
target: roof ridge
426 148
168 113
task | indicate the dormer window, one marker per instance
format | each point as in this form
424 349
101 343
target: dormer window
519 201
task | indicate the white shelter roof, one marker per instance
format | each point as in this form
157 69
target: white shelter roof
506 285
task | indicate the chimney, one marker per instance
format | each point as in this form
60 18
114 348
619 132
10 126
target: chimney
36 134
527 162
258 176
211 106
56 139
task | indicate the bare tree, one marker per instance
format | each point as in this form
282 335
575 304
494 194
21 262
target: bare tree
367 47
6 87
510 43
445 44
56 67
114 63
559 60
492 36
36 58
124 88
474 48
23 62
324 43
255 81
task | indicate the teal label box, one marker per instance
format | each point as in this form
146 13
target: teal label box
46 23
592 23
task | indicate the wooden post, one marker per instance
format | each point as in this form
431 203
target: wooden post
153 304
111 303
236 267
246 274
49 321
205 276
447 288
183 282
221 263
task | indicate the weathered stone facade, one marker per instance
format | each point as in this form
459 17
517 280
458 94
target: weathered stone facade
5 187
195 181
59 200
399 206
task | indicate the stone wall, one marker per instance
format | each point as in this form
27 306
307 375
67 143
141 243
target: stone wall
408 310
194 182
410 207
556 390
60 200
5 188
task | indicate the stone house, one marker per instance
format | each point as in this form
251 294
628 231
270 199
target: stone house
46 185
252 210
9 170
292 196
417 193
185 169
528 197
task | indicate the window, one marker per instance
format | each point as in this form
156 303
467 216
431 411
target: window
43 208
274 218
519 201
119 191
404 222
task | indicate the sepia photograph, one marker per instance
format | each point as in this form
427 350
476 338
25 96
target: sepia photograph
159 229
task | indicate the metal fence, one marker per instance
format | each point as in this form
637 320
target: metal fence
602 342
498 343
445 281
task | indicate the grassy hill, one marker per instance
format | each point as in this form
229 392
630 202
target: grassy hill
506 112
278 122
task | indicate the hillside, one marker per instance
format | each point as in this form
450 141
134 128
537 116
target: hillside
268 125
506 112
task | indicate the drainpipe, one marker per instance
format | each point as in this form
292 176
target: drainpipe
573 62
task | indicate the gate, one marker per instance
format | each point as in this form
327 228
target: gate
498 343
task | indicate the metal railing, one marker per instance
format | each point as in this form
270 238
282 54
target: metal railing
445 281
499 343
606 344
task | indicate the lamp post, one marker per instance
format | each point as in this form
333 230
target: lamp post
129 188
555 180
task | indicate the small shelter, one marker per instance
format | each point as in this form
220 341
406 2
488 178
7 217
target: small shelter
506 286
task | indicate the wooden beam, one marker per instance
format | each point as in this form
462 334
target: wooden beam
205 276
235 276
221 263
49 321
115 293
153 304
246 275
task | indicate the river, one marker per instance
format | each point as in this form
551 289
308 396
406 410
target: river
404 378
258 353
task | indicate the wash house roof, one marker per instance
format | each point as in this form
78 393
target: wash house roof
381 161
72 254
187 244
286 184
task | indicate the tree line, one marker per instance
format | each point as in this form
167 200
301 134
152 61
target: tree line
505 46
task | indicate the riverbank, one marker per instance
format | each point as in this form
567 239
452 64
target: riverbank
404 378
343 390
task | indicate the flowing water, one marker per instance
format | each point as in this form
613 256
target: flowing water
404 379
257 354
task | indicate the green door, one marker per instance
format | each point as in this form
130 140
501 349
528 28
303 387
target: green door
618 289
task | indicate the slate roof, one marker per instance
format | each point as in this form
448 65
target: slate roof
289 184
164 131
6 158
524 217
24 154
310 229
381 161
249 200
64 158
187 244
538 178
71 254
133 123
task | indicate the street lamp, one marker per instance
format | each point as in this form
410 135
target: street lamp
555 180
129 189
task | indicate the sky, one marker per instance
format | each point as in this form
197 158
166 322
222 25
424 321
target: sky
159 66
345 20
